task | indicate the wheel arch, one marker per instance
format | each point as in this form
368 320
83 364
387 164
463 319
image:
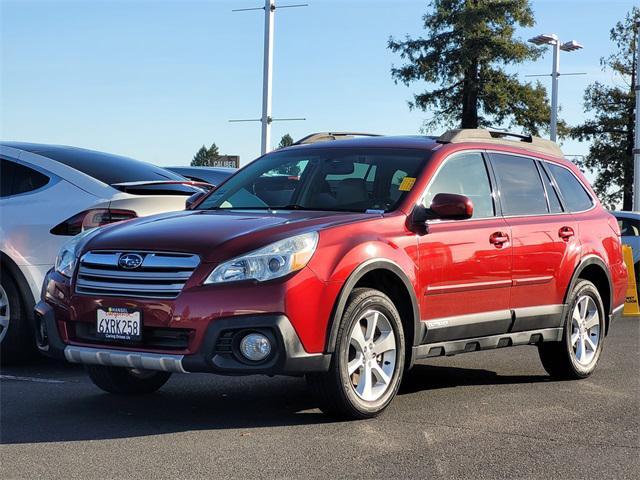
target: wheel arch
6 263
389 278
594 269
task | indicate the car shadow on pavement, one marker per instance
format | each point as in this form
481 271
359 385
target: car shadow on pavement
430 377
76 410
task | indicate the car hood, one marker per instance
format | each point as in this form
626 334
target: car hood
214 235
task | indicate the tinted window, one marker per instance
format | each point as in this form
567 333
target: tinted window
318 179
575 196
105 167
17 178
552 195
6 174
464 174
521 190
629 227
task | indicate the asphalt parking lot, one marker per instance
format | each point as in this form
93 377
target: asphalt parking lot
480 415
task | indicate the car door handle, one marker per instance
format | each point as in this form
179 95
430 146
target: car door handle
565 233
499 239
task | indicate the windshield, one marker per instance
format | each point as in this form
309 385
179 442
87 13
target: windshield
333 179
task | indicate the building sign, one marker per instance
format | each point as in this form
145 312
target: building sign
229 161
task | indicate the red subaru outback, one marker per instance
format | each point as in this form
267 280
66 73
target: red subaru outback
347 261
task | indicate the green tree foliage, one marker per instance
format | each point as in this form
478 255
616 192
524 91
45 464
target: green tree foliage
611 129
288 168
463 59
285 141
205 157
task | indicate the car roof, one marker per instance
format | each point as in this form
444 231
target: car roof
626 214
105 167
405 141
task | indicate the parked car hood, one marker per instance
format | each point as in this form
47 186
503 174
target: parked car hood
214 235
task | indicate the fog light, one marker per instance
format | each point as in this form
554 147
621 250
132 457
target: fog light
255 347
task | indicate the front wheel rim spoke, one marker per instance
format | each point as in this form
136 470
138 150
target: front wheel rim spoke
385 343
354 365
372 324
365 383
574 338
380 374
592 320
592 345
580 349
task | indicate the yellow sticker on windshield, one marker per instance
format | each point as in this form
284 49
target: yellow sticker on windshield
407 184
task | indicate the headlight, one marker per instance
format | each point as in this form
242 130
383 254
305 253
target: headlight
68 255
273 261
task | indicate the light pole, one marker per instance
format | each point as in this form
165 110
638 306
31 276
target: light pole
553 40
636 149
267 73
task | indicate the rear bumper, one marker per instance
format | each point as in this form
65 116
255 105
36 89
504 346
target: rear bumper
218 352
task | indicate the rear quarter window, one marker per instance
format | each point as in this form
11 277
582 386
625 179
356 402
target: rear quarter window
17 178
575 196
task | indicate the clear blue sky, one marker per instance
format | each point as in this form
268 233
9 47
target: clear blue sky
154 80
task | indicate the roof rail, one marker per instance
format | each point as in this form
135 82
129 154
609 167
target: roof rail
527 142
327 136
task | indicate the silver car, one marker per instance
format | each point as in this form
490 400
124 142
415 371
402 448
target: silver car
50 193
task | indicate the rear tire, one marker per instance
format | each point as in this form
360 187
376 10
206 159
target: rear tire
577 355
17 343
368 362
126 381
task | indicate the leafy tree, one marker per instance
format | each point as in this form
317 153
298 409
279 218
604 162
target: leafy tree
611 130
285 141
205 157
463 58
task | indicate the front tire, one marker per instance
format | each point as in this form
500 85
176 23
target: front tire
368 362
577 355
17 342
126 381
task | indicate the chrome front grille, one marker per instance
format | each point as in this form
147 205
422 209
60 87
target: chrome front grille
161 274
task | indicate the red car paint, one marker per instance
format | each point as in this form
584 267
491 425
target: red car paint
461 267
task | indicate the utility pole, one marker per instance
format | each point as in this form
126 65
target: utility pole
267 74
636 149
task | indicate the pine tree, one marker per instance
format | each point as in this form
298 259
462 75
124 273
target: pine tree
612 128
285 141
205 157
469 44
200 158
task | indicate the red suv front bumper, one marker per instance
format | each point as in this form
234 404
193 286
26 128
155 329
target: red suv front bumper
182 335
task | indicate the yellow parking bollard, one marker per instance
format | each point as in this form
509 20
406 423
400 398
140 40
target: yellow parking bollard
631 308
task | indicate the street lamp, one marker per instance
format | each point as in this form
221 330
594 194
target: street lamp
572 46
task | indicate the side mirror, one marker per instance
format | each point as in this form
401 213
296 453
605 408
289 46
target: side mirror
193 199
451 206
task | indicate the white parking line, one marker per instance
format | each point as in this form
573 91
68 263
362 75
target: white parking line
29 379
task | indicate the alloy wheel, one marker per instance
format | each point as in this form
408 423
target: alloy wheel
585 330
5 313
371 355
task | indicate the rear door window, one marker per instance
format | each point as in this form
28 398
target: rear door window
520 185
574 194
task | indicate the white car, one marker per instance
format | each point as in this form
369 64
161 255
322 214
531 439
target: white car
49 194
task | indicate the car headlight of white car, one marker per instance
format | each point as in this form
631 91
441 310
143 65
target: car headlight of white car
68 254
273 261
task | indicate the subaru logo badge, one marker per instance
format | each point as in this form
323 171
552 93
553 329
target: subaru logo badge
130 261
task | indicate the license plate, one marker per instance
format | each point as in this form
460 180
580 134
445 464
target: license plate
119 324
